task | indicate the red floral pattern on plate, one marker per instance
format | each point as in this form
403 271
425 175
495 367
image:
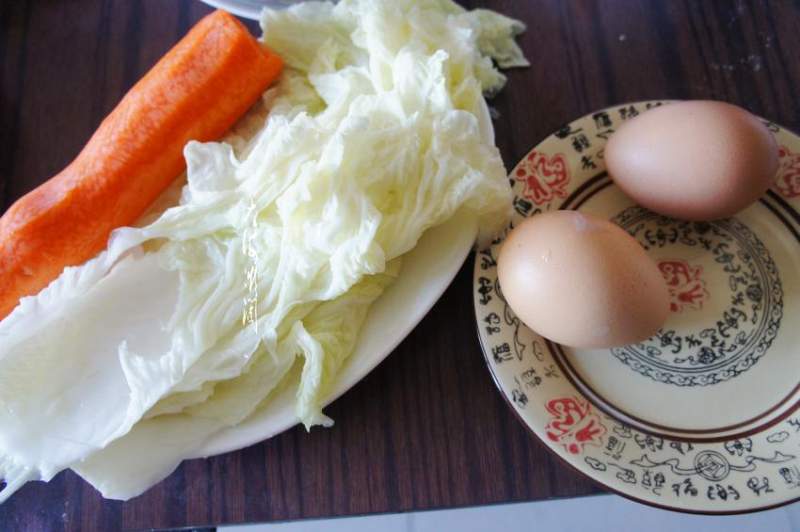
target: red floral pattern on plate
687 289
788 180
574 424
545 177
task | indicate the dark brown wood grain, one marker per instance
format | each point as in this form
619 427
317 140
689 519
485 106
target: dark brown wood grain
427 429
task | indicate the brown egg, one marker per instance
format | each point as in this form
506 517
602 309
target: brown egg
581 281
696 160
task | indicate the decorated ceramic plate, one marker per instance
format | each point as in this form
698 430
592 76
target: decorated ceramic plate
703 416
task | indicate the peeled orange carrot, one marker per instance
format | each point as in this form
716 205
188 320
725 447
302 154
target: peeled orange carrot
195 92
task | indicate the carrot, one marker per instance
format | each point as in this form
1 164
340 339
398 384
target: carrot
196 91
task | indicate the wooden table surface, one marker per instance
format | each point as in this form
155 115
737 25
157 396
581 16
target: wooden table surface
427 428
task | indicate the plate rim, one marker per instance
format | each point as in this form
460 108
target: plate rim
601 484
235 8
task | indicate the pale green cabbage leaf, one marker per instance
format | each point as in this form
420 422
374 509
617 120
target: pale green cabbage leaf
376 132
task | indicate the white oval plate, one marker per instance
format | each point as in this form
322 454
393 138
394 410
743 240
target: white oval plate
427 271
249 8
701 417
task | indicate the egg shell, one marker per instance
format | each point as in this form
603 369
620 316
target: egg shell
581 281
694 160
